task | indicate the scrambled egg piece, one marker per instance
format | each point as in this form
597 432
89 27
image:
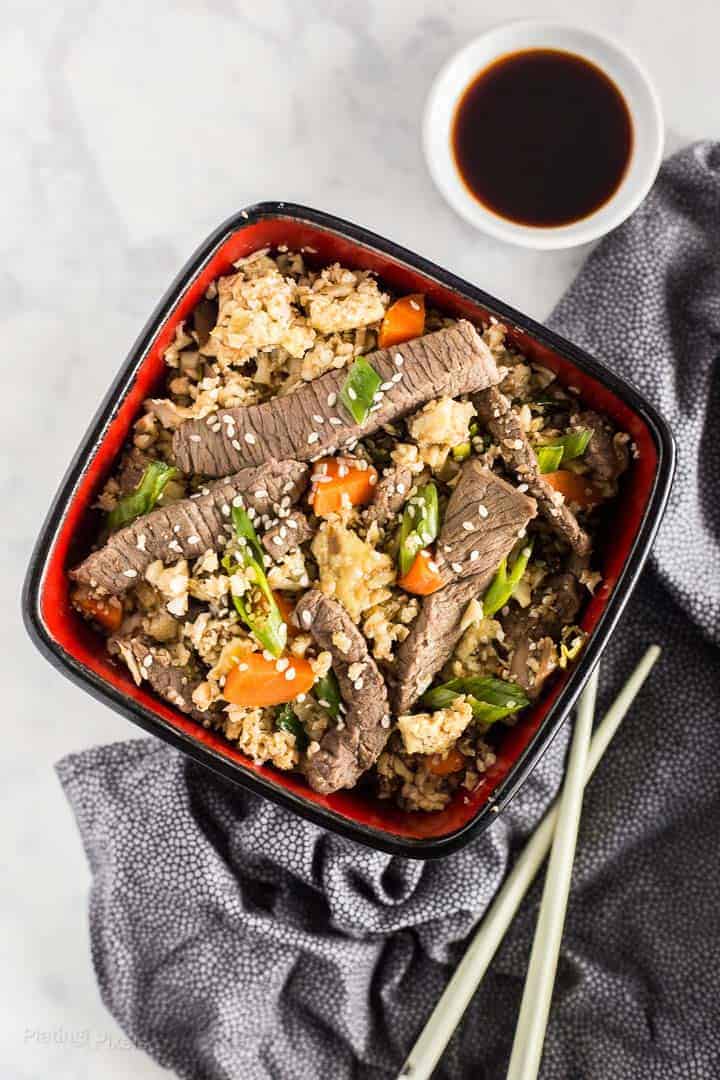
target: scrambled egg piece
351 570
437 732
341 299
256 313
440 425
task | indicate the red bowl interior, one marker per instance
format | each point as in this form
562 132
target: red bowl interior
76 638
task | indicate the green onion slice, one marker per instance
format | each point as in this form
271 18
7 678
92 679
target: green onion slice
266 623
359 389
143 498
490 699
327 692
571 446
286 720
504 584
420 525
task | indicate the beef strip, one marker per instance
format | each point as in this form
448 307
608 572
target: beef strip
345 752
483 512
451 361
287 534
437 628
531 633
606 454
496 412
391 493
147 660
189 527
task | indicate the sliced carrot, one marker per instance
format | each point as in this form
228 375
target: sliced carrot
422 578
105 610
257 682
403 321
334 478
453 762
576 488
286 608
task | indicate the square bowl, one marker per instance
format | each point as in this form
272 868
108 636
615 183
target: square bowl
72 646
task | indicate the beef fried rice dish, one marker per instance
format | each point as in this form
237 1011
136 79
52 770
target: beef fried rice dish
354 536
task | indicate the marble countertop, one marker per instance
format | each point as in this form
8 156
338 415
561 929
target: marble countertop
128 131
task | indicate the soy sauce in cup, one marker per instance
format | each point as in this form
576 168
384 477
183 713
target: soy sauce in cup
542 137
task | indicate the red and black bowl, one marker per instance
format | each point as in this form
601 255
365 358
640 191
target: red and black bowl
75 649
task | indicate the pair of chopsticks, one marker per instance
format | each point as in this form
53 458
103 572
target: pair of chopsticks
562 822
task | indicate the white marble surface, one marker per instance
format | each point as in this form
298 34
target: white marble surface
127 131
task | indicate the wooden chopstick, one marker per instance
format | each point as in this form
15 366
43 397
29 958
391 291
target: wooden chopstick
540 979
456 997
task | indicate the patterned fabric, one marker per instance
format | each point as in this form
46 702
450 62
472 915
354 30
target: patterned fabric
232 939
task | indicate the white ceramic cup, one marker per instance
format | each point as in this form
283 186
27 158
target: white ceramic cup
631 80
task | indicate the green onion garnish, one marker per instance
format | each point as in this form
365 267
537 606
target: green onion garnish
143 498
327 692
573 445
462 451
504 584
265 622
490 699
286 720
420 525
359 389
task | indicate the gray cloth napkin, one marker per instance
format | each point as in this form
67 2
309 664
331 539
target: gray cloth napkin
232 939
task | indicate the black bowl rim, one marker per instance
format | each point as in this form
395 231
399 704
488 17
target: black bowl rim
234 772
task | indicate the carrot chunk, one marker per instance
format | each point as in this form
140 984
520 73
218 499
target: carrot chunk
422 578
403 321
257 682
334 478
107 611
453 762
576 488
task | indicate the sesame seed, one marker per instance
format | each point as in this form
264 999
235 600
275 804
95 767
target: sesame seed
474 555
351 394
261 493
332 399
306 619
130 573
400 488
433 565
372 479
377 398
335 421
522 487
238 500
225 510
300 698
385 386
195 438
267 655
290 674
176 528
282 664
456 567
147 662
277 540
358 684
313 437
385 722
243 667
468 526
250 438
318 419
235 444
398 360
483 511
193 539
397 377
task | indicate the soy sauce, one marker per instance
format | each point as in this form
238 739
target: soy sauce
542 137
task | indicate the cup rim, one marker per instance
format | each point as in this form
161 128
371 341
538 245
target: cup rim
624 69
